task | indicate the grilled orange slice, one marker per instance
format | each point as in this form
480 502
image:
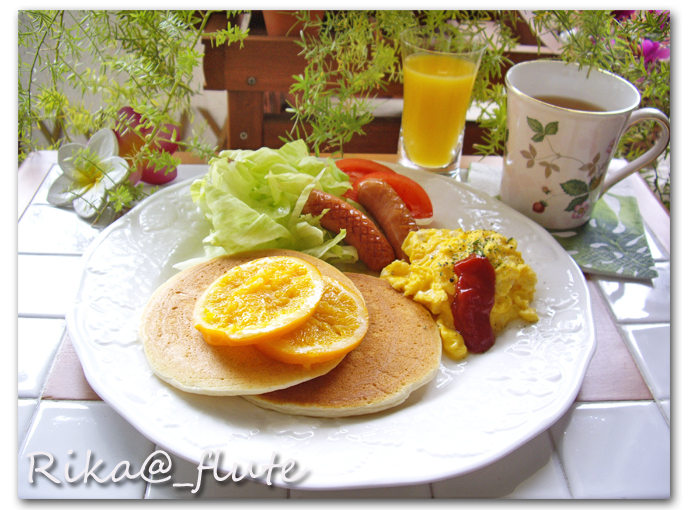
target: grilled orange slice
337 326
259 300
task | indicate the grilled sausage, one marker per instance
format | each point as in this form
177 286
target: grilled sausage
389 210
373 247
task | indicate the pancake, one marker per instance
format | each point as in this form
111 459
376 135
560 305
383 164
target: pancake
400 353
178 354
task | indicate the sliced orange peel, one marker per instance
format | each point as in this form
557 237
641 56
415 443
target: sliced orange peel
258 301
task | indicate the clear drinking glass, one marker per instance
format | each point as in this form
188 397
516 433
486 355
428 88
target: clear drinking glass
439 70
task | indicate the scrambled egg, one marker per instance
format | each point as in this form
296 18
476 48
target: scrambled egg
429 278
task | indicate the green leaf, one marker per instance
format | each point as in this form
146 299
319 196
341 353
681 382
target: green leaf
575 187
551 128
629 212
606 218
538 137
535 125
575 202
611 244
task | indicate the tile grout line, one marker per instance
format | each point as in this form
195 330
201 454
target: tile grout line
625 401
655 238
663 413
30 315
626 341
50 254
632 322
61 343
147 487
619 324
39 398
33 197
580 404
558 458
28 428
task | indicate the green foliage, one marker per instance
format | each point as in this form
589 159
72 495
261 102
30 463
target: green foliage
93 63
98 61
357 55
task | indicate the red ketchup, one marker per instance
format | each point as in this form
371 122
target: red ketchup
474 298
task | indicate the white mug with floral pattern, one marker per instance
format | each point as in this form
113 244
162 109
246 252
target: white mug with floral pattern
563 126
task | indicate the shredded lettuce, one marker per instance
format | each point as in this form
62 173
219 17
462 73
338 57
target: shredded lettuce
254 200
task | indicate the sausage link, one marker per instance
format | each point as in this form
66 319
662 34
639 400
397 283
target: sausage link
389 210
373 247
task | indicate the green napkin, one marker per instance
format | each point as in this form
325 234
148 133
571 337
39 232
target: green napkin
612 243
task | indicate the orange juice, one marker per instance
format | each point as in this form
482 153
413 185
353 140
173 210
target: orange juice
437 91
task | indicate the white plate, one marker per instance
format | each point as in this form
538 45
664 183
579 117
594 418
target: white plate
472 414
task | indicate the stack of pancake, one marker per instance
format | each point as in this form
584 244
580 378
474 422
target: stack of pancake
400 352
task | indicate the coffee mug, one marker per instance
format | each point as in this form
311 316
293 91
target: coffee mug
563 124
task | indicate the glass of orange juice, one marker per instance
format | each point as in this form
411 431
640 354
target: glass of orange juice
439 69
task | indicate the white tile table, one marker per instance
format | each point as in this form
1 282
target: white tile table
614 442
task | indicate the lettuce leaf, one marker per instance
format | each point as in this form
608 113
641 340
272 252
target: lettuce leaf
254 200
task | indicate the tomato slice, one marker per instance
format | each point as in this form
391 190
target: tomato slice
414 196
361 166
356 168
410 192
351 194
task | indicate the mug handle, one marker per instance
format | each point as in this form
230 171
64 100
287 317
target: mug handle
614 176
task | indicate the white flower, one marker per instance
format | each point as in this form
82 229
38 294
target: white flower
88 172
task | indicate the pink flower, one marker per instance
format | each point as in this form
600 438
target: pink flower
653 51
622 15
580 210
